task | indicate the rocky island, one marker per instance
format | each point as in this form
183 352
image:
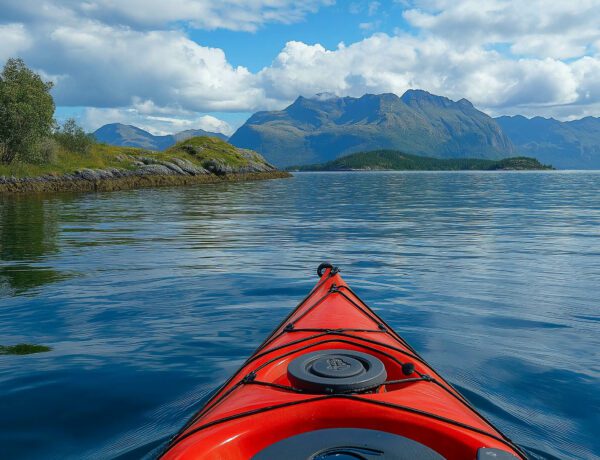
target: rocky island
104 168
37 154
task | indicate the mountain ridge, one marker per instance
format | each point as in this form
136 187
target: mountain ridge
319 129
571 144
123 135
323 127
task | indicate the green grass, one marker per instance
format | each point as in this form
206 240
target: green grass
23 349
198 150
201 149
100 156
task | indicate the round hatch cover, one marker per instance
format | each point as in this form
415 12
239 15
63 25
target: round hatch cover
336 371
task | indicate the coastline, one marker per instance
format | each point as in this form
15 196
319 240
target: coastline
94 181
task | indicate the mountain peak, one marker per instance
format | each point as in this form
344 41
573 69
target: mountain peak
132 136
320 128
418 97
465 102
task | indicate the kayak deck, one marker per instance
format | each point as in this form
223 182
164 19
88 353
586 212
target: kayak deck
335 372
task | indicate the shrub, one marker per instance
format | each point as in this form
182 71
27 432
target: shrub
47 151
26 111
73 138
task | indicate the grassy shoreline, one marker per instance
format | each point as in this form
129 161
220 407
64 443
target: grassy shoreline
132 182
198 160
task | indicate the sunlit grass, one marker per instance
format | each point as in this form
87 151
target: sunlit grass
100 156
198 150
201 149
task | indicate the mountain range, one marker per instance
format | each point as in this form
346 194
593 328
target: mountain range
325 127
132 136
319 129
564 144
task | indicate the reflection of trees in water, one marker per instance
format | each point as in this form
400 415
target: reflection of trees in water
28 233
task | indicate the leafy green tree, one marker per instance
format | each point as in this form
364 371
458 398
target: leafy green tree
73 138
26 111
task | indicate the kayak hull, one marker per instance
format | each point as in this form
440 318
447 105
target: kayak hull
264 404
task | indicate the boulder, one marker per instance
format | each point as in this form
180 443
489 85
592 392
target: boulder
154 169
217 167
87 174
173 167
189 167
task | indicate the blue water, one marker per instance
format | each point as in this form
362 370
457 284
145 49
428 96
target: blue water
150 299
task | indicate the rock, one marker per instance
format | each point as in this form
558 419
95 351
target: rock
189 167
104 174
157 170
217 167
149 161
173 167
87 174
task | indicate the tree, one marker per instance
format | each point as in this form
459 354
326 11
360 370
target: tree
26 111
73 138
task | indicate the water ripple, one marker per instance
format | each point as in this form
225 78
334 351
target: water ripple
152 298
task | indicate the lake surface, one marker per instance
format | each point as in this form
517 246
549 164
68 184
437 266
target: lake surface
150 299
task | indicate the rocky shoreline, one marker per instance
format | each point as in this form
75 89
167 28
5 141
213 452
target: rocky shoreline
147 172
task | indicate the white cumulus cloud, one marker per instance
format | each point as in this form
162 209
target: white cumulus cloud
157 124
540 28
14 40
134 61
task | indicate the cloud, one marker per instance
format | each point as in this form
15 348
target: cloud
383 63
151 14
532 27
104 66
373 7
139 65
14 40
157 124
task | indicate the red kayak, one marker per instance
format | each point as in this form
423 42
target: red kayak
335 382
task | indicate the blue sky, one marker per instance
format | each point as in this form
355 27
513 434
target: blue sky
329 26
169 66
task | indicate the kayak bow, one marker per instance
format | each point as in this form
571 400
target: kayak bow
334 381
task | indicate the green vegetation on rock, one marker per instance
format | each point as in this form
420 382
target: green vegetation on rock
37 155
201 152
381 160
205 150
99 157
23 349
106 168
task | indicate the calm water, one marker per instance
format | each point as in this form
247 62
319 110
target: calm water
150 299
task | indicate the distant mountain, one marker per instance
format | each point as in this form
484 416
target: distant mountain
319 129
394 160
567 145
183 135
132 136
